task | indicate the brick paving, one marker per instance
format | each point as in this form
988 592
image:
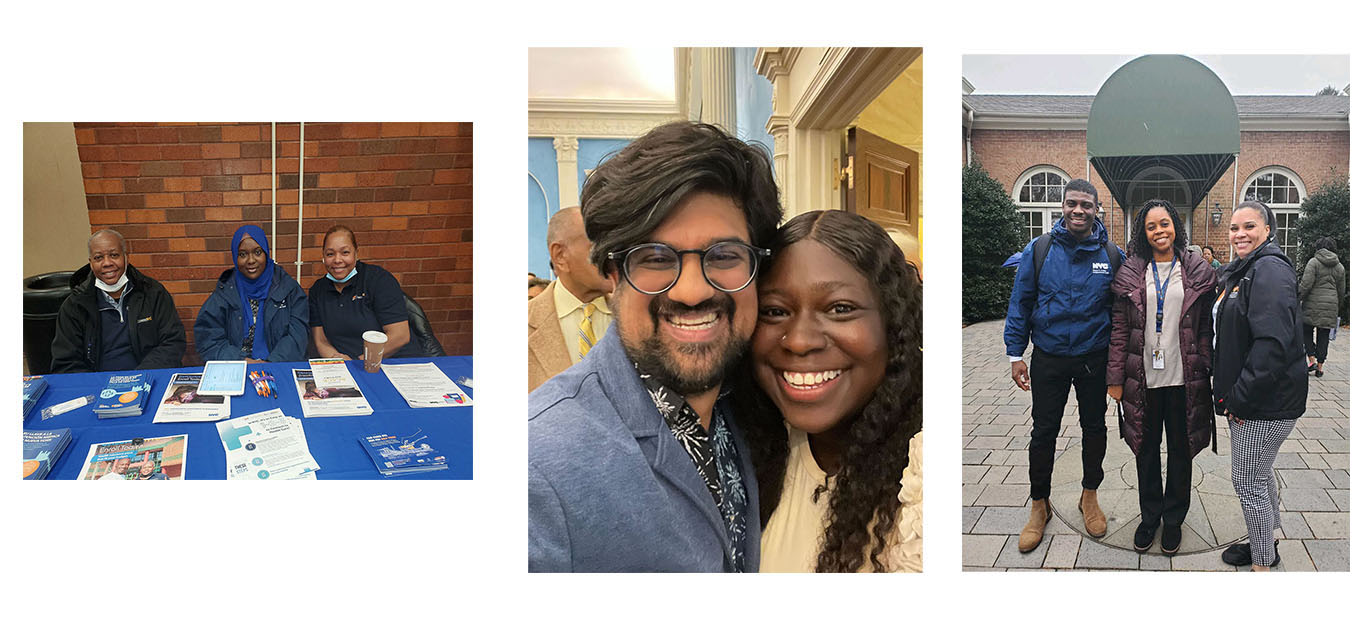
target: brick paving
1312 471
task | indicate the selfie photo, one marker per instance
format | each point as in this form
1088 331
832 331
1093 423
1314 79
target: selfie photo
725 372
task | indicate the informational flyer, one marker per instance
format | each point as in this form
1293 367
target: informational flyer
183 402
326 388
266 446
224 377
157 458
423 385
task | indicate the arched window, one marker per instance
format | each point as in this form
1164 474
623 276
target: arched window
1158 182
1038 194
1282 191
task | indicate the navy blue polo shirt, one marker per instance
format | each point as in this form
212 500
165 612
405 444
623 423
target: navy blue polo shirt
371 300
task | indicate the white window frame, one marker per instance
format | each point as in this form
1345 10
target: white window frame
1285 213
1046 212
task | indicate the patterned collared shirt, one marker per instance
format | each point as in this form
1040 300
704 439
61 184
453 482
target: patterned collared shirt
717 459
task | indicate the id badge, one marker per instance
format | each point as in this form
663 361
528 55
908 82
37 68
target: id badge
1159 359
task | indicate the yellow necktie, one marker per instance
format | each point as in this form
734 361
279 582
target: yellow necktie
586 337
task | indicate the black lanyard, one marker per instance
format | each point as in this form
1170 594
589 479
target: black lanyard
1161 289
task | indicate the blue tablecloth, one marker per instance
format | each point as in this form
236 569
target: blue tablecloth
332 440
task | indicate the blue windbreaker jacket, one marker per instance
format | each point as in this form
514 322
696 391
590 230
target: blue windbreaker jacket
1066 309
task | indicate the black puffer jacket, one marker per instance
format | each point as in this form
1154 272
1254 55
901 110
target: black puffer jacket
1258 348
154 328
1322 287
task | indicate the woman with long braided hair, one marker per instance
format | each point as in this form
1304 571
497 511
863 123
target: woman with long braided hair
835 421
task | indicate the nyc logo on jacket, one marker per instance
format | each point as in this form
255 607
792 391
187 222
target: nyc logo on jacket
1100 268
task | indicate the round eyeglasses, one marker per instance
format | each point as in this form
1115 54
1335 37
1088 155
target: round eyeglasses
653 268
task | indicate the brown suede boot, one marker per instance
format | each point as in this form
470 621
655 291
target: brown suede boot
1091 513
1039 514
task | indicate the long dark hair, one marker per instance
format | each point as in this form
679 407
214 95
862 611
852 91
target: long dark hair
865 490
1138 242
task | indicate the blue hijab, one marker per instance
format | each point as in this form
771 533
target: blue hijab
258 288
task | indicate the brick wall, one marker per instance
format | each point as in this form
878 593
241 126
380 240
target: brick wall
1313 155
178 191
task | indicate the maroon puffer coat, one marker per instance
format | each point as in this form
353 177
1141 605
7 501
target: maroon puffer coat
1130 315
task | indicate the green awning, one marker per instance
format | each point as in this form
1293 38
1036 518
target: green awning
1162 110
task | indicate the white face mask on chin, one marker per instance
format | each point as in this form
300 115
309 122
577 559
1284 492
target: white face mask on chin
116 286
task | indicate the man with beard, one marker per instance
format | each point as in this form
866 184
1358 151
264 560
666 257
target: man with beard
635 460
1061 301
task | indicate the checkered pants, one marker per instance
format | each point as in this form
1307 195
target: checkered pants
1254 446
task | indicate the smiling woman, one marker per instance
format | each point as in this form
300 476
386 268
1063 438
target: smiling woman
836 355
257 312
352 298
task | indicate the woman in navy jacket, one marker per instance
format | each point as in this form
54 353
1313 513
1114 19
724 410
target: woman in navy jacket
258 313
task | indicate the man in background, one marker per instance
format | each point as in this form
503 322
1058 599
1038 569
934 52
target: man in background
535 286
566 319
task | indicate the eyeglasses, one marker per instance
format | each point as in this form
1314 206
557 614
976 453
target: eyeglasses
653 268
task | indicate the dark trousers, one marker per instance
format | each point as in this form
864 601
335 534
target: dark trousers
1050 378
1316 348
1164 407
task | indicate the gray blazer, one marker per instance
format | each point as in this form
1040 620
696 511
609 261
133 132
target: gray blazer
609 488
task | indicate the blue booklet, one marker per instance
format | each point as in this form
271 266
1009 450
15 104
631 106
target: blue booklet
42 448
123 395
34 387
396 455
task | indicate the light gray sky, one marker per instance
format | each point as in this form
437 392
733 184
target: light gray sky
1245 75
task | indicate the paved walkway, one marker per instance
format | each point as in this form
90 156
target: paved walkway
1312 469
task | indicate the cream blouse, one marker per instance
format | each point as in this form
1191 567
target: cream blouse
792 538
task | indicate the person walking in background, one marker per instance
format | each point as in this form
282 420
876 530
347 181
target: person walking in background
1061 302
1260 382
1322 288
1160 351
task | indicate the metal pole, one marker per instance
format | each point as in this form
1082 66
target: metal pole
299 241
273 185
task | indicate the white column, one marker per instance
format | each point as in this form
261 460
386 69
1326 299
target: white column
716 67
567 169
777 127
770 63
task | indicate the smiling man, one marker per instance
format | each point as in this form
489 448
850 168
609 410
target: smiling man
116 319
1061 301
635 461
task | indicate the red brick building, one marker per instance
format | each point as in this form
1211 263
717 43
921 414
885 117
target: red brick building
178 191
1032 144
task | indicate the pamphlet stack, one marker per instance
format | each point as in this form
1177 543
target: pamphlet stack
42 448
34 387
394 455
124 396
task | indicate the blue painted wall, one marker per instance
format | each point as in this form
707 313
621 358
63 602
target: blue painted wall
593 152
753 100
540 165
